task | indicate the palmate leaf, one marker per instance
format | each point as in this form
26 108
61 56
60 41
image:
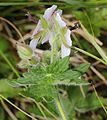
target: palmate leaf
72 77
41 89
38 83
41 80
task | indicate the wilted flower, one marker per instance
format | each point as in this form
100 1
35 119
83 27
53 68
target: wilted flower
53 29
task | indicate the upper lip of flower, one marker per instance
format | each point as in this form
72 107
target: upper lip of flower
49 12
47 15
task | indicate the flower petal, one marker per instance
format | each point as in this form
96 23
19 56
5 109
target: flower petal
48 13
59 20
37 29
68 38
33 44
64 50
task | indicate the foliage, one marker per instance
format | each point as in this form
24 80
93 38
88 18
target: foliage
44 79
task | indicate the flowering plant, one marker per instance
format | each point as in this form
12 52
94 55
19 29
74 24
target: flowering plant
41 80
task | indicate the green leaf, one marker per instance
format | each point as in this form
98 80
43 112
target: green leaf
82 67
91 102
41 80
71 83
69 74
59 66
76 94
37 83
7 89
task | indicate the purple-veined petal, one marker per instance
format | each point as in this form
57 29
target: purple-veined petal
48 13
64 50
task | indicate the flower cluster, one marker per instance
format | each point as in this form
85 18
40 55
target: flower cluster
52 28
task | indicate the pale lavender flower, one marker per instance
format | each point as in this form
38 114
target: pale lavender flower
64 50
47 15
52 16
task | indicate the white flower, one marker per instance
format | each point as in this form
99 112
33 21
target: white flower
55 24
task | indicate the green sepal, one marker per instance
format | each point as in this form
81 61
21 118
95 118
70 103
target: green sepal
23 64
42 36
38 34
24 51
32 61
44 23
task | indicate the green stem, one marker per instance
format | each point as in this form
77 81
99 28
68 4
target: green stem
89 54
52 49
8 62
17 107
99 100
52 54
48 111
60 109
40 109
